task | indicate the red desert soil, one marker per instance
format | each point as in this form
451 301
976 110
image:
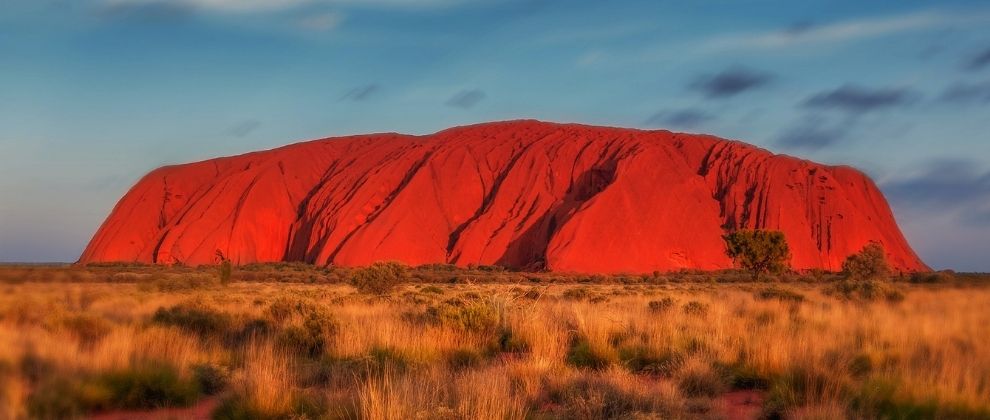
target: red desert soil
521 194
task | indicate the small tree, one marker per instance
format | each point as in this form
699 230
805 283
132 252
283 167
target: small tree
870 263
225 268
759 251
379 278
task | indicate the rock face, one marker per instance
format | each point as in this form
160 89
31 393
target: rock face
521 194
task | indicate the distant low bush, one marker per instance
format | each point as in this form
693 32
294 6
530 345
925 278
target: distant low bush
932 277
379 278
779 294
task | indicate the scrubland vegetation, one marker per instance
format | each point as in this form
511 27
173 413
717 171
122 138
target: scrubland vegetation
435 342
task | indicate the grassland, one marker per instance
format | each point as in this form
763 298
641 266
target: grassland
293 341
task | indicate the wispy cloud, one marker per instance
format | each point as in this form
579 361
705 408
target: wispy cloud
321 21
946 185
730 82
967 93
250 6
466 98
243 128
979 60
360 93
859 99
846 30
814 132
680 118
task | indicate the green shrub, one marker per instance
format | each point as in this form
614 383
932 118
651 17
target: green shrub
379 278
869 264
310 338
576 293
700 383
181 282
150 385
595 397
662 305
508 342
759 251
464 358
695 308
779 294
582 354
432 289
195 317
225 272
211 378
475 317
649 360
87 328
944 276
865 290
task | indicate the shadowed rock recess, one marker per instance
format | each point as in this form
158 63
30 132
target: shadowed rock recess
521 194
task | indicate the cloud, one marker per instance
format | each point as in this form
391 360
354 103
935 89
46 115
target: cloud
321 21
681 118
967 93
979 61
146 11
466 98
252 6
243 128
814 132
956 186
858 99
846 30
360 93
730 82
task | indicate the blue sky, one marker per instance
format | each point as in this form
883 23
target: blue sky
95 93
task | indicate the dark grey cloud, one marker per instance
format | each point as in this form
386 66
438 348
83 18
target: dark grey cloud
945 185
361 93
466 98
680 118
979 60
814 132
244 128
859 99
800 27
967 93
146 11
730 82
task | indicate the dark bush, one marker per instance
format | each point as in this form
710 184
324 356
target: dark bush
648 360
758 251
662 305
195 317
149 386
211 378
310 338
464 358
582 354
379 278
695 308
779 294
869 264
